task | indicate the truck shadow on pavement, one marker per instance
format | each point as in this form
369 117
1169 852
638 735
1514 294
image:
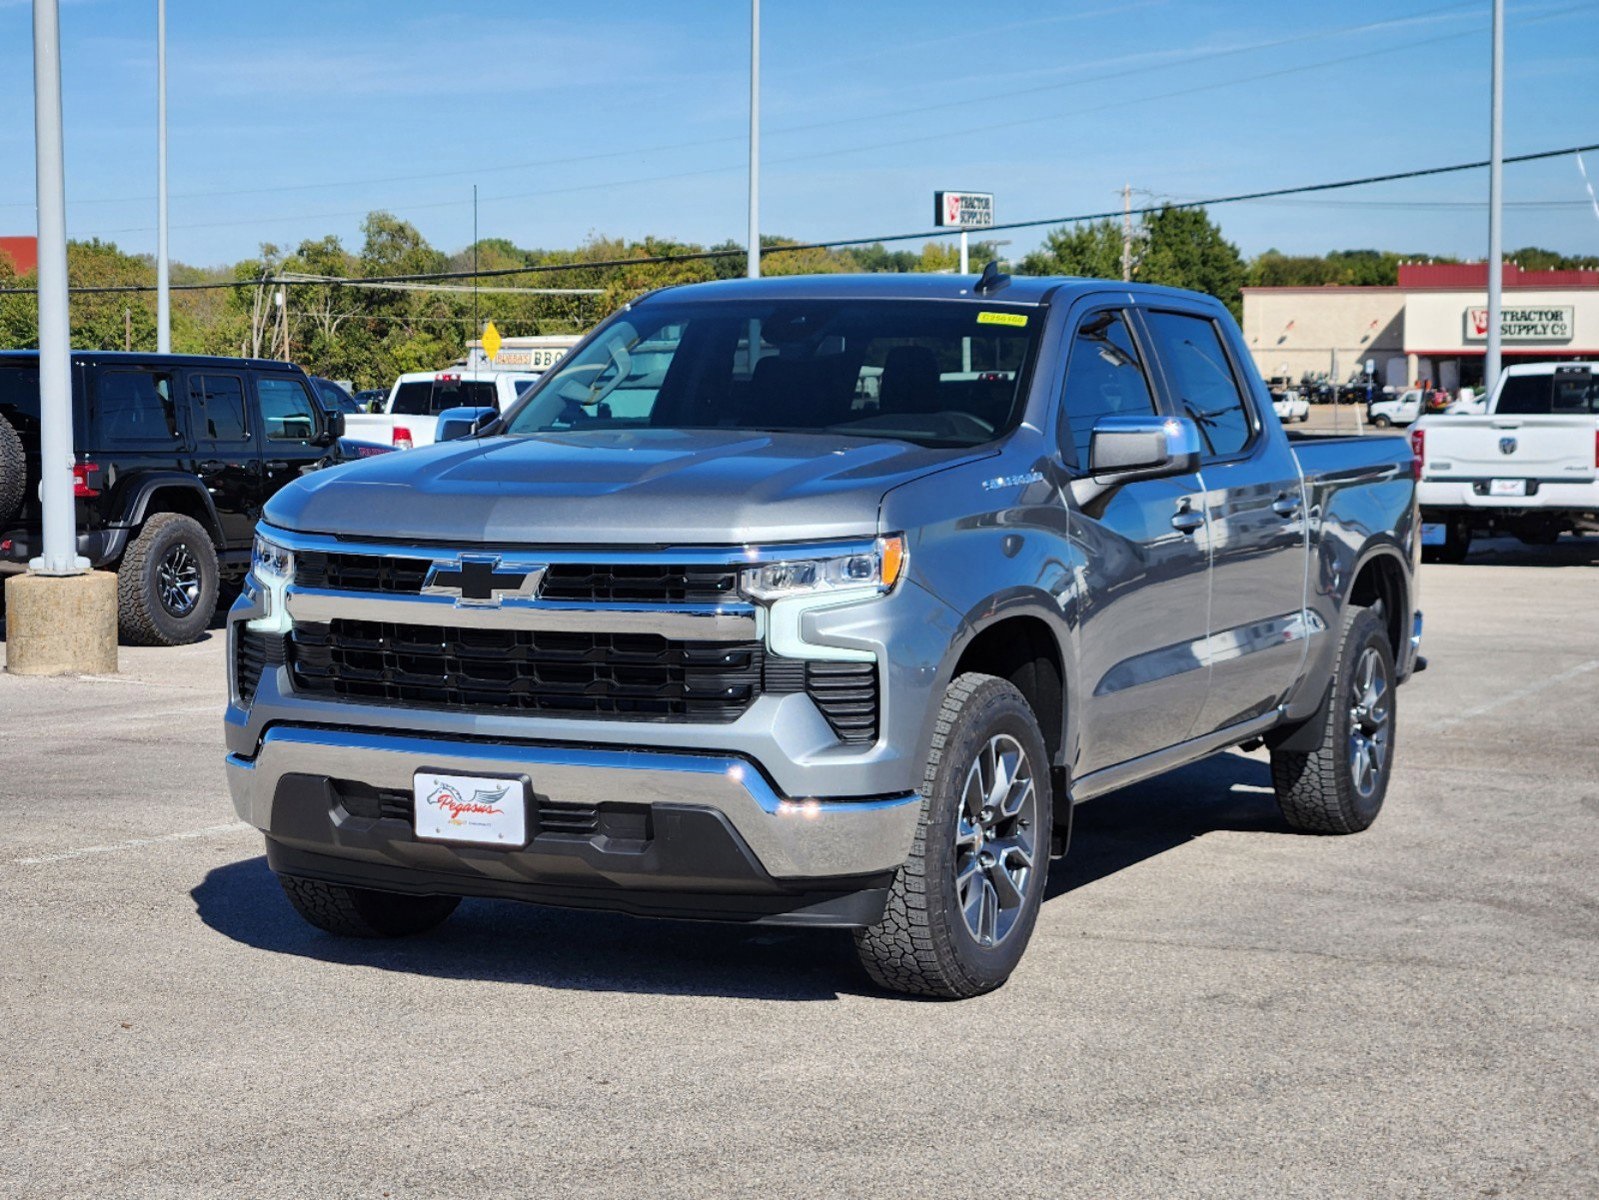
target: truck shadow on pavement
1508 552
506 942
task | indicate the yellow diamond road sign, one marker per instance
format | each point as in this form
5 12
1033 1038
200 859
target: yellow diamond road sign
491 341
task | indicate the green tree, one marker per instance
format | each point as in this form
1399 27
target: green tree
1092 251
1185 248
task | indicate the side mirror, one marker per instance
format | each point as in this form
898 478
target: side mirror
332 428
457 423
1126 449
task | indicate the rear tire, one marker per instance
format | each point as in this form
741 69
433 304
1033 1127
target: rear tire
167 583
362 912
963 906
1381 422
13 473
1339 787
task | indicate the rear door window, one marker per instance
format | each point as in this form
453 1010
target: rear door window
135 408
428 397
217 405
1105 377
287 411
1202 378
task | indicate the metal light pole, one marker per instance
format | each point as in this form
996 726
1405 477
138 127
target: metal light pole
163 287
754 256
59 549
1496 171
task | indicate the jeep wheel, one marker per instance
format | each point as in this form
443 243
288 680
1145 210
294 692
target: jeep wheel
13 472
167 583
362 912
963 906
1339 786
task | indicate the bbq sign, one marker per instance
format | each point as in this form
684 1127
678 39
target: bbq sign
963 210
1522 324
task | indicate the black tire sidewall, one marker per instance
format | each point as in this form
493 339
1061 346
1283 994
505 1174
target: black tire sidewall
13 472
155 541
997 707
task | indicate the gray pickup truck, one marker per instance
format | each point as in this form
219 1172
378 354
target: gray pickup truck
818 601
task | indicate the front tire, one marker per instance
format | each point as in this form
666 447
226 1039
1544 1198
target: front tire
362 912
1339 787
167 583
963 906
1381 422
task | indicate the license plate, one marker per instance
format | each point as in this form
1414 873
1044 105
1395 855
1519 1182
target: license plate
1507 487
482 810
1433 534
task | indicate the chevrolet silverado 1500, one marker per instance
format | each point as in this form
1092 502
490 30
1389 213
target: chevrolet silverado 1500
819 601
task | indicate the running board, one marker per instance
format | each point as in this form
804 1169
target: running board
1136 770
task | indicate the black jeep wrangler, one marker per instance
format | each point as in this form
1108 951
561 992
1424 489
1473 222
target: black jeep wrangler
176 454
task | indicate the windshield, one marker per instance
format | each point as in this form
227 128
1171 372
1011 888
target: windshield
937 373
1571 391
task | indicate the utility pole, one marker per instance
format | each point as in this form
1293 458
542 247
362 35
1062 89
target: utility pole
61 617
477 329
1127 233
754 256
163 286
1496 170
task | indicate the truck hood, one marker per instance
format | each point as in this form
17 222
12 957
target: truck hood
624 487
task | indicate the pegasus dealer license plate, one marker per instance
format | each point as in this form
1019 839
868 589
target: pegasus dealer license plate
482 810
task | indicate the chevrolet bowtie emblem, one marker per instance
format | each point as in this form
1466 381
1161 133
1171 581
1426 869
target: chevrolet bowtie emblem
483 580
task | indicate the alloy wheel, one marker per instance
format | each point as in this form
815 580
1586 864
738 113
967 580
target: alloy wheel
178 580
995 839
1370 722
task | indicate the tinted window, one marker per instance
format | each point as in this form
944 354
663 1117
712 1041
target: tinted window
428 397
1207 390
135 406
1562 392
931 372
1104 378
218 407
333 397
286 411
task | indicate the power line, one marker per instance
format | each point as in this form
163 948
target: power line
839 243
1165 64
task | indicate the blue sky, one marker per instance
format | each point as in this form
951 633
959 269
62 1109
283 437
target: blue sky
291 120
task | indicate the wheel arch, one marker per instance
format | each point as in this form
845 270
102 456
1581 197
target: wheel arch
174 493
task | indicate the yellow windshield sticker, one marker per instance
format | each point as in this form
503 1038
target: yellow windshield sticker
1002 318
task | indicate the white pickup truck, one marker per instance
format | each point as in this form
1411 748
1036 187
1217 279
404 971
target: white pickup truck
1528 465
411 412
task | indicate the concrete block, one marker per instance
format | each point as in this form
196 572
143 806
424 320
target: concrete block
61 624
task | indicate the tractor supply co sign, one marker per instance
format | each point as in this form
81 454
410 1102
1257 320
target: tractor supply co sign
1522 324
964 210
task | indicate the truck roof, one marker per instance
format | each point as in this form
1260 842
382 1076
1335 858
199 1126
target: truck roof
150 358
1022 289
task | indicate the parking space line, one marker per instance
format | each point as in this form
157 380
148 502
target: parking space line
1522 694
133 844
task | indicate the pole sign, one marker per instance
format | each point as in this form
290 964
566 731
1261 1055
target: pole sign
963 210
1523 324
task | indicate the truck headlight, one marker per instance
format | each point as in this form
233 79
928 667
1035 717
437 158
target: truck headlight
877 569
271 562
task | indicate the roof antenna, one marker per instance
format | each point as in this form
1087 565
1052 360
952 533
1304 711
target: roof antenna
993 279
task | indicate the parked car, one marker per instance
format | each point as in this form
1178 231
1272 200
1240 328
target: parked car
1290 405
1528 466
333 397
745 643
1395 410
371 399
176 455
417 398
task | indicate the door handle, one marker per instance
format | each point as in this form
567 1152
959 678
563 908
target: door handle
277 464
1286 505
1186 520
211 466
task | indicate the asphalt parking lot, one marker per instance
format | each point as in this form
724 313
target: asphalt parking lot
1212 1006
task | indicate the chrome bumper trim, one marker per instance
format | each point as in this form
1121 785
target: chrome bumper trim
798 838
707 623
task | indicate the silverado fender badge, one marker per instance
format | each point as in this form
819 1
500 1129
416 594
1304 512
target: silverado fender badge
481 581
1004 481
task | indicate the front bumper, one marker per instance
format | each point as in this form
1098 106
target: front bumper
707 835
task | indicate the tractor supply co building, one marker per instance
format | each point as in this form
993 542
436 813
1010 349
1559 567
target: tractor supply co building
1432 326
